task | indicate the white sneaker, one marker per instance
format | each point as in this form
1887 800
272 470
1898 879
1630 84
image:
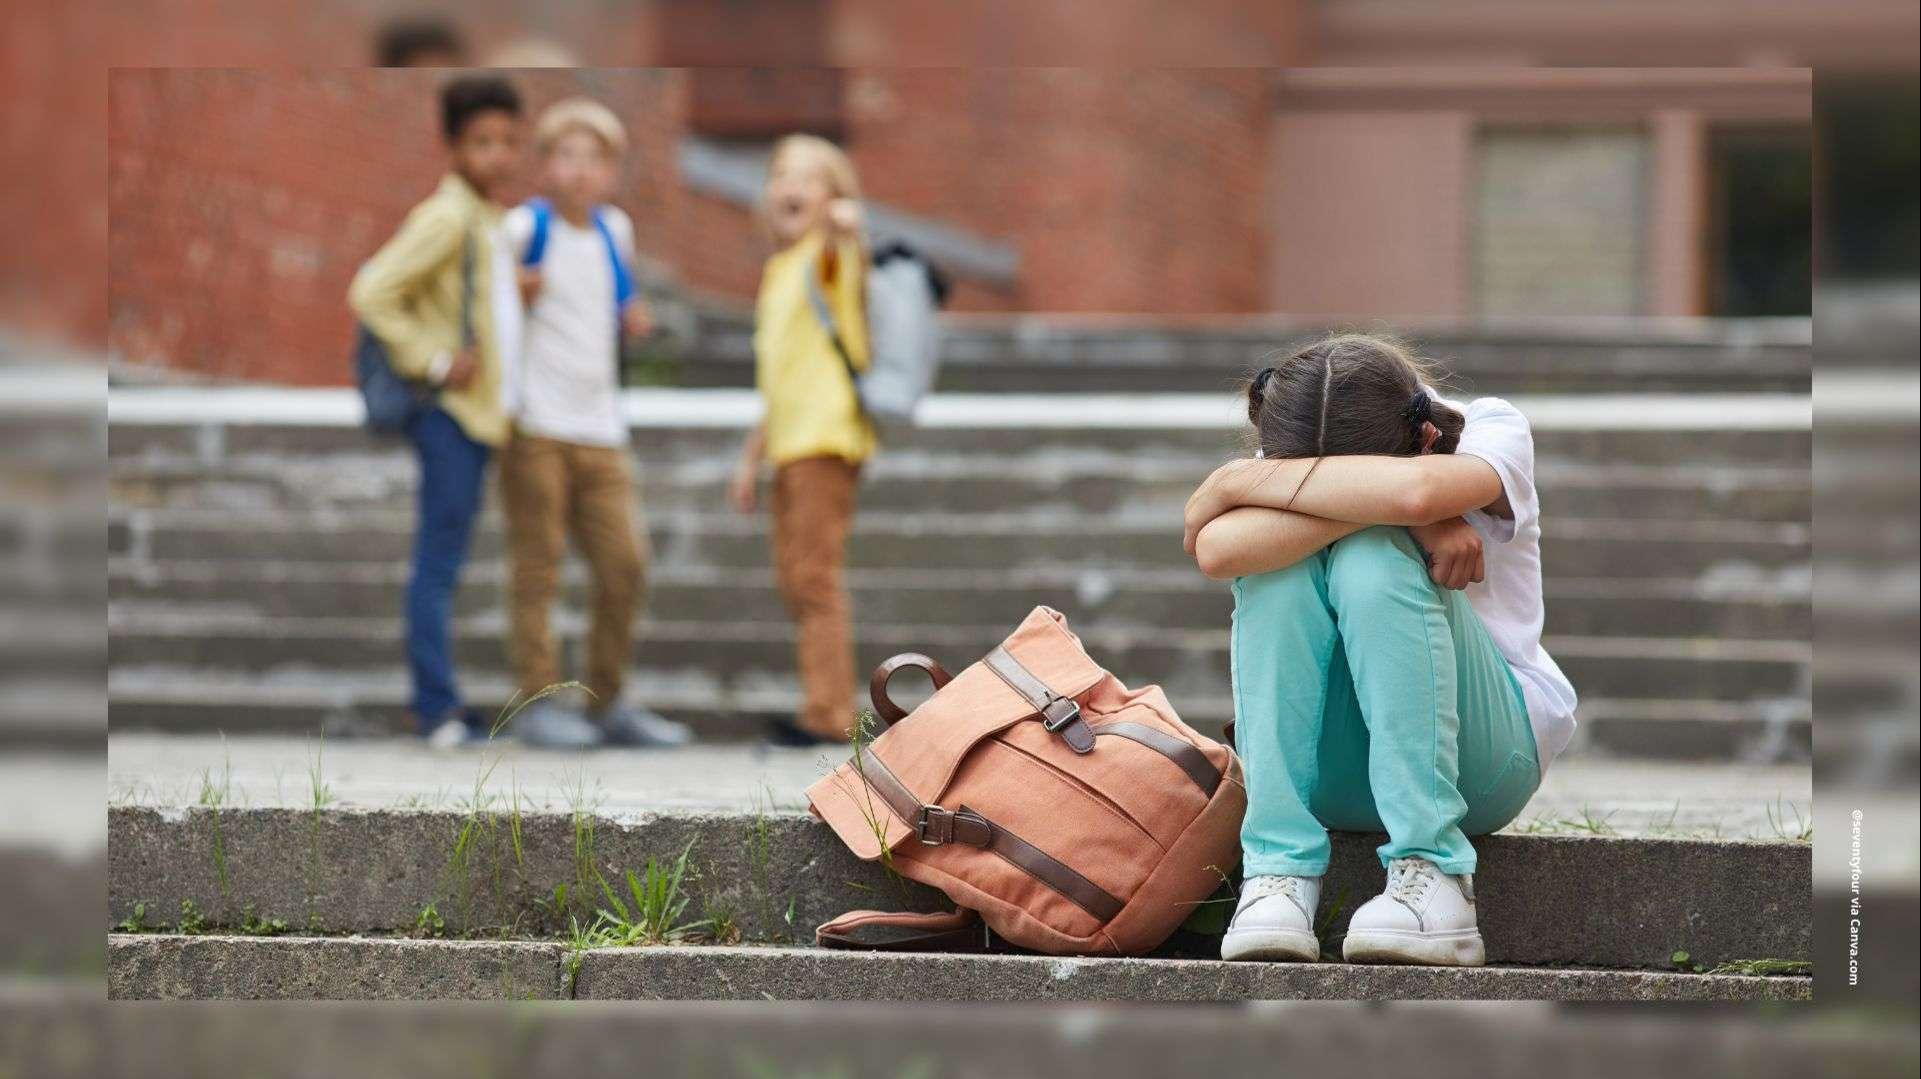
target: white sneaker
1275 920
1425 916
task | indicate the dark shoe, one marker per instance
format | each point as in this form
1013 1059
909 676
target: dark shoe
626 725
786 734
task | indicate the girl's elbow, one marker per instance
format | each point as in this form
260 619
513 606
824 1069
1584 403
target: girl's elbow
1213 557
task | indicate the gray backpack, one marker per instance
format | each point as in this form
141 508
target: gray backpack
904 297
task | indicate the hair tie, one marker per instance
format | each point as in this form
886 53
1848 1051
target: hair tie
1259 388
1420 410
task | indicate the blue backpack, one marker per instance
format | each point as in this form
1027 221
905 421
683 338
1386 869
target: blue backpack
543 211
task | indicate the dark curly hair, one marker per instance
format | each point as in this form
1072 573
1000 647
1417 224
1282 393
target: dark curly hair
467 96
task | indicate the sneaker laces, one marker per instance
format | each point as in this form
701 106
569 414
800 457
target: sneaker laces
1409 879
1265 886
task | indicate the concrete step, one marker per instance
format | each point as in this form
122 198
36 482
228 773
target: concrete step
1085 483
1057 354
167 966
1188 663
1173 598
1544 900
356 703
693 427
1574 547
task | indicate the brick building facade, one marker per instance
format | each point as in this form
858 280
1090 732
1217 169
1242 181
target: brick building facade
241 204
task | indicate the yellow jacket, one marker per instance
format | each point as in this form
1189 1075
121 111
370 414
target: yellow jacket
811 407
409 295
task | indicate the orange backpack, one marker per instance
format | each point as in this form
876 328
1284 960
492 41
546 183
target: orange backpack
1075 815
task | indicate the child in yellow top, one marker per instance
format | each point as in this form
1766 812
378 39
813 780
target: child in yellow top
812 429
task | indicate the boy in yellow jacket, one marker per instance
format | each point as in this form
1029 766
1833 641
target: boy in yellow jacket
426 295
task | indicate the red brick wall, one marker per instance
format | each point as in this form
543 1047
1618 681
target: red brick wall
242 202
1135 191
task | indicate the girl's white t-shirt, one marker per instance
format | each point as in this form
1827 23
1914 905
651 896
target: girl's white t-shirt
1509 599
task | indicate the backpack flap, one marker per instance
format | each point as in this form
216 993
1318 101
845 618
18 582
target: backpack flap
891 789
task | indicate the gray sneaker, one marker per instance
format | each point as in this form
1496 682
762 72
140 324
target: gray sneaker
631 725
549 725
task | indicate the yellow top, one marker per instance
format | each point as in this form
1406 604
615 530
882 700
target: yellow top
811 408
409 293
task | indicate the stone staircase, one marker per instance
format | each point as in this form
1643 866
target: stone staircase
257 547
333 902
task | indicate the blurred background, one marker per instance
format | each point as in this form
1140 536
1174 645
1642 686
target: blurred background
1609 213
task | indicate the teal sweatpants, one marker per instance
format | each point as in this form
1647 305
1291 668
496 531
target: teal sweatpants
1367 698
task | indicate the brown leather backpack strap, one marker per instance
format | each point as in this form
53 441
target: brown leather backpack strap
1060 715
884 706
900 931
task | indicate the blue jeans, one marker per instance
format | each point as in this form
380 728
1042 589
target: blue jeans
1367 698
452 467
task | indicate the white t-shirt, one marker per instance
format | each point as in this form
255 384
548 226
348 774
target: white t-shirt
563 382
1509 599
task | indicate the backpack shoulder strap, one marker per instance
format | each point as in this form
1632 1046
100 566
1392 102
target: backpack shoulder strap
818 301
623 274
543 212
901 931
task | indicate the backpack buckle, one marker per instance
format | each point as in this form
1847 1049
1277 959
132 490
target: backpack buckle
937 827
934 826
1059 713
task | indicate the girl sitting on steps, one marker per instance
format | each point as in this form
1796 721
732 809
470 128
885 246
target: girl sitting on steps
1387 661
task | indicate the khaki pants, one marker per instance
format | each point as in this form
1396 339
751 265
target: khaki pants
813 514
551 490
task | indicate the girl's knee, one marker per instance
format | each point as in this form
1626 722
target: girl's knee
1374 555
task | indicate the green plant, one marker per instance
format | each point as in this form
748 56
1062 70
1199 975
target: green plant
865 730
252 925
135 922
1763 968
429 923
214 797
192 922
658 902
1800 831
721 920
579 940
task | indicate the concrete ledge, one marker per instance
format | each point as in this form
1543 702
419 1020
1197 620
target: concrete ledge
155 967
1545 900
285 968
777 973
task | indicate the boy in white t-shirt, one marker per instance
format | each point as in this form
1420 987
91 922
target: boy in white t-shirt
1387 660
565 471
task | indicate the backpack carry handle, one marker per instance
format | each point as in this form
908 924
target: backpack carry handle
884 706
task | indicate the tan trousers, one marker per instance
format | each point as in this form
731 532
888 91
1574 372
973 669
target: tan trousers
552 490
813 514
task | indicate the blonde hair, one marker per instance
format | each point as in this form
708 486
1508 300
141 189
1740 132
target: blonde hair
834 164
580 114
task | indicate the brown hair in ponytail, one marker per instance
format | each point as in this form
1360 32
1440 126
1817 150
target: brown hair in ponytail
1348 394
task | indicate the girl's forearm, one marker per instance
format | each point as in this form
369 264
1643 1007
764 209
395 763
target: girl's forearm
1256 539
1362 489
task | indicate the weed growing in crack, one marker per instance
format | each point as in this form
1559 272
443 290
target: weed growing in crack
135 922
428 923
1801 830
253 925
866 729
192 923
658 899
215 794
